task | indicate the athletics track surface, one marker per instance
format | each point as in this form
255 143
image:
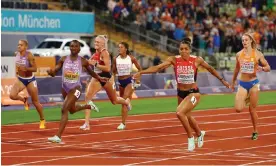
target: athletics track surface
154 139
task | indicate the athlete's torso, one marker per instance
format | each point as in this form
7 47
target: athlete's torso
185 72
71 72
97 57
22 61
248 65
123 66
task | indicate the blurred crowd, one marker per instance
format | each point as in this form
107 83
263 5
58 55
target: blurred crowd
214 25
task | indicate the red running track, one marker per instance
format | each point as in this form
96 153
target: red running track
156 139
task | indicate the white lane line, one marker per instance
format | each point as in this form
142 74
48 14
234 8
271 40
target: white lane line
130 130
258 162
203 154
163 159
154 114
129 139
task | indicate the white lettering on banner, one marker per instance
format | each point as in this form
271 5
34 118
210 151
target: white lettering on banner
6 89
160 93
28 21
7 21
7 67
4 68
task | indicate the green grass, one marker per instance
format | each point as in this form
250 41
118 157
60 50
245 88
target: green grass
141 106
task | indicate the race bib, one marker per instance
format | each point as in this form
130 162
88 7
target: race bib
71 77
186 78
247 67
97 70
124 69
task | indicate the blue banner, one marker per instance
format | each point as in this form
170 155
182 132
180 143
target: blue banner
29 21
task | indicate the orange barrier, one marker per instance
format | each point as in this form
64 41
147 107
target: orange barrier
43 64
6 85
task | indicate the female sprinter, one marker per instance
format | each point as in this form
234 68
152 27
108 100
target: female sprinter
122 65
247 64
185 68
92 88
25 68
71 87
102 65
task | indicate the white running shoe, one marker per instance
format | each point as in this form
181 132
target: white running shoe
85 126
93 106
121 126
129 106
54 139
200 139
191 144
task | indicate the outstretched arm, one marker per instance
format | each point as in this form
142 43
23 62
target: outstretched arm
159 67
205 65
155 69
52 72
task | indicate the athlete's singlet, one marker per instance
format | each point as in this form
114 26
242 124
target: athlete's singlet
71 73
124 65
185 70
97 57
248 64
21 60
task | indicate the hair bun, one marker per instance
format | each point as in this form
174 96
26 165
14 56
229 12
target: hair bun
188 40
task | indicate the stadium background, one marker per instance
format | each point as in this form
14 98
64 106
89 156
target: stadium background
215 27
152 28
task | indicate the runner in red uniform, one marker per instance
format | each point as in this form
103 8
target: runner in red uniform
185 68
101 62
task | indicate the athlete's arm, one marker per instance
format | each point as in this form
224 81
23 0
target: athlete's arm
200 61
114 67
31 60
155 69
52 72
85 64
135 62
236 70
159 67
106 59
137 65
266 67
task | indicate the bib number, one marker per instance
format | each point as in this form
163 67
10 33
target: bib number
77 93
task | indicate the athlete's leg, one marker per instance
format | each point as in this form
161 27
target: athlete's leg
184 108
33 91
254 97
191 120
17 87
69 102
240 98
111 92
92 89
126 93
